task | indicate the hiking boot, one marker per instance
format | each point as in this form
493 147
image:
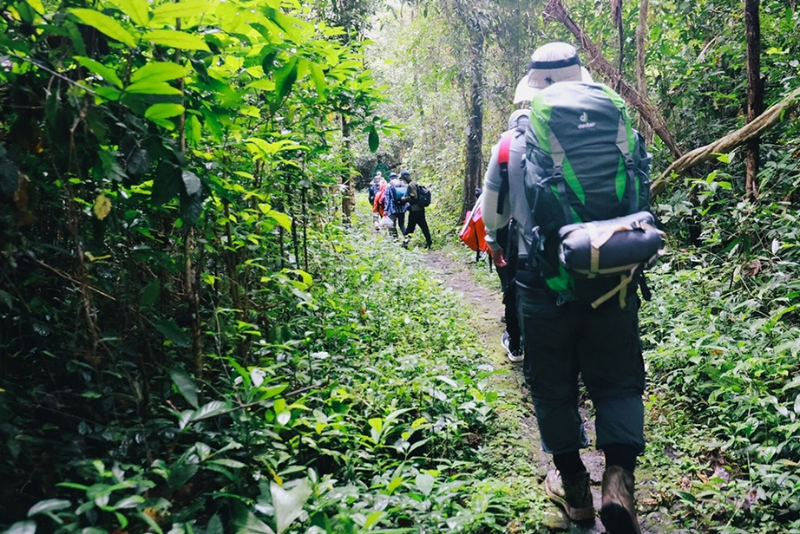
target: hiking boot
619 507
572 494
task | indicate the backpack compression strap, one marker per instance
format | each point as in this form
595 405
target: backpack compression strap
624 146
503 156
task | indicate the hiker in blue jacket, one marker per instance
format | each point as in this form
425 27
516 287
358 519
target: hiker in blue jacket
567 338
395 207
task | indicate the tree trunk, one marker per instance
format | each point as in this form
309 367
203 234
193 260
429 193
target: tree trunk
555 10
755 92
349 190
641 79
472 176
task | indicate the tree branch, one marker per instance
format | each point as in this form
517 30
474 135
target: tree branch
555 10
763 122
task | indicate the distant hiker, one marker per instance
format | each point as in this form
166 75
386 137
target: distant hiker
416 216
374 186
506 215
584 163
378 203
395 206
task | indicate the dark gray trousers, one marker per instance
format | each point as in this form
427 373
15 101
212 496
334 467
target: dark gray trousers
603 347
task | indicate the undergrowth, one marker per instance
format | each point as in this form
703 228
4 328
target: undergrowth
369 410
722 347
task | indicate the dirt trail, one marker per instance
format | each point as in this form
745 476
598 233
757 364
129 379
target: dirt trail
458 275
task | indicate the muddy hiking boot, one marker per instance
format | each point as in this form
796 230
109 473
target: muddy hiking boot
618 513
571 493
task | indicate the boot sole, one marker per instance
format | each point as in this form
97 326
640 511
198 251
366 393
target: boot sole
617 520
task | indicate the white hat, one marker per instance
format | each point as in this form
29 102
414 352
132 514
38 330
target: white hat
525 93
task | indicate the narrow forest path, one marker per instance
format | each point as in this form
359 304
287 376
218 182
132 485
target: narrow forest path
458 273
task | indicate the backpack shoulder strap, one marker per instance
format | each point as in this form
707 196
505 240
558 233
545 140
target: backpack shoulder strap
503 156
624 146
558 155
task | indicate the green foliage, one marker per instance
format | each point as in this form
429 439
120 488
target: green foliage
364 418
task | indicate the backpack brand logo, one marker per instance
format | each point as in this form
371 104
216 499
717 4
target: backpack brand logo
585 122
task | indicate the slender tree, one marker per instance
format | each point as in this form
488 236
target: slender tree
755 91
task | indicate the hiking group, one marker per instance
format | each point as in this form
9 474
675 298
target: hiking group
565 206
391 200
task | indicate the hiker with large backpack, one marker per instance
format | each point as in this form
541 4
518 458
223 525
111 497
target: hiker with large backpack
418 197
394 205
591 237
506 216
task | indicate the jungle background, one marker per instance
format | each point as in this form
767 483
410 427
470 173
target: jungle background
201 333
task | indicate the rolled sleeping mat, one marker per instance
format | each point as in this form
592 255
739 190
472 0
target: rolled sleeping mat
611 247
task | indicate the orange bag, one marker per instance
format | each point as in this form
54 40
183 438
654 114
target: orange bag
473 233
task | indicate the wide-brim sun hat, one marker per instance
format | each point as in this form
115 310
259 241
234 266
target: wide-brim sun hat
551 63
525 92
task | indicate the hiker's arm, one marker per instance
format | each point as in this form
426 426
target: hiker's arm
492 220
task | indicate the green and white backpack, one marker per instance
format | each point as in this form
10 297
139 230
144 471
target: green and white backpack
587 183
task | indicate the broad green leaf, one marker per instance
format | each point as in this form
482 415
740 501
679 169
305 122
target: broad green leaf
281 218
191 183
194 130
159 71
187 9
22 527
376 423
152 88
163 111
151 292
424 483
266 85
284 418
129 502
109 93
137 10
104 24
185 385
210 409
50 505
176 39
284 80
248 523
101 70
227 462
36 5
173 332
214 525
374 140
373 518
394 484
191 208
318 76
289 504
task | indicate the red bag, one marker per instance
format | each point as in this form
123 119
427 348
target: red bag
473 233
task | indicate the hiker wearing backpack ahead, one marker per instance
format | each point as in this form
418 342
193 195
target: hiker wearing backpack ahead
591 236
418 198
506 215
394 205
